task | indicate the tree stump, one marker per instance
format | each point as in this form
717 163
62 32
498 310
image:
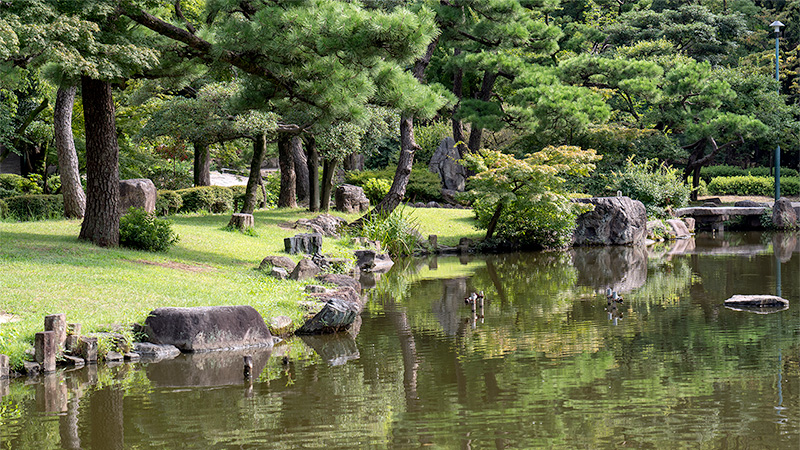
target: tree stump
303 243
241 221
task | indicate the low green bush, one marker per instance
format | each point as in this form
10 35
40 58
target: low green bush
35 207
142 231
396 231
423 185
3 209
168 202
376 188
753 185
215 199
711 172
19 184
655 184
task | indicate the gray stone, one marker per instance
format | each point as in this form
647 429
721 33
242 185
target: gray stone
365 259
335 265
280 325
351 199
137 193
337 315
343 293
690 223
750 204
310 243
132 356
304 269
445 163
87 349
74 361
120 341
57 323
679 229
150 352
114 356
714 201
783 214
279 273
283 262
315 289
208 328
46 350
340 280
73 334
324 224
464 245
756 301
614 221
432 204
31 368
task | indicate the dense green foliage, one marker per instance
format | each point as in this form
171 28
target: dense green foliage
142 231
753 185
397 231
656 185
34 207
423 185
722 170
525 201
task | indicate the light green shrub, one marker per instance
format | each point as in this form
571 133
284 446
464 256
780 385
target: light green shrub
142 231
376 188
752 185
655 184
35 207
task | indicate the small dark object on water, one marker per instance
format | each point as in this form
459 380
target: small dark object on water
248 366
473 298
613 297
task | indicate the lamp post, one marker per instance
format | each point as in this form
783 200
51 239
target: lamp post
777 25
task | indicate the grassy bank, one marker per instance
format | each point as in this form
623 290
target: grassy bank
45 270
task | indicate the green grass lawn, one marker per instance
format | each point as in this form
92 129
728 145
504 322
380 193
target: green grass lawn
45 269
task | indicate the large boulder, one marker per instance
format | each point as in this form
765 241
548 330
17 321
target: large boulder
351 199
305 269
340 280
614 221
137 193
271 261
208 328
445 163
324 224
783 214
679 228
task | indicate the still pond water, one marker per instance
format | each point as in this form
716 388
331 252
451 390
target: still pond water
548 366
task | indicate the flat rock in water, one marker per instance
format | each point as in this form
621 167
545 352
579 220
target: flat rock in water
150 352
208 328
756 301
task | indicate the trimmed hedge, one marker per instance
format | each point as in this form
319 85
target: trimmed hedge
168 202
3 209
423 185
18 184
34 207
215 199
752 185
711 172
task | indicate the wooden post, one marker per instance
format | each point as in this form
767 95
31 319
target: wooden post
4 367
57 323
248 367
45 350
433 241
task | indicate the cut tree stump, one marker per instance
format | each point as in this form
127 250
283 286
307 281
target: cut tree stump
242 221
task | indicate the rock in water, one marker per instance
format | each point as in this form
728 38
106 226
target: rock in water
208 328
614 221
337 315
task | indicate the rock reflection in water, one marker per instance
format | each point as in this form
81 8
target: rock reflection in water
218 368
621 268
335 349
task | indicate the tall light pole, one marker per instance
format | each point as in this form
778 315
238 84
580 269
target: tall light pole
777 25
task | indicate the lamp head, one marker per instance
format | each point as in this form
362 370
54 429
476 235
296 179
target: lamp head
777 25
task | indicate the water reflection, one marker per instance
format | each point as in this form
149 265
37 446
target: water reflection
550 365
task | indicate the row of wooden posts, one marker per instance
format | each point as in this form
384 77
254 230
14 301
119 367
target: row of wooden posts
59 341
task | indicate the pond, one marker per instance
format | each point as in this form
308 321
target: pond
546 366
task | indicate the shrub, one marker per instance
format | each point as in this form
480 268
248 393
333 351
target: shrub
142 231
655 184
215 199
752 185
168 202
35 207
3 209
428 137
423 185
396 231
711 172
376 188
19 184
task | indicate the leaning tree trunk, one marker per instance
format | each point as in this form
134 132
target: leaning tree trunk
251 192
71 189
328 169
300 169
313 174
287 197
485 94
202 164
101 220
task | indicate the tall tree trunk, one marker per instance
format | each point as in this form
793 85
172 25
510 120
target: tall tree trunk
313 174
328 170
408 147
458 91
485 94
251 192
101 220
71 189
202 164
300 169
287 197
